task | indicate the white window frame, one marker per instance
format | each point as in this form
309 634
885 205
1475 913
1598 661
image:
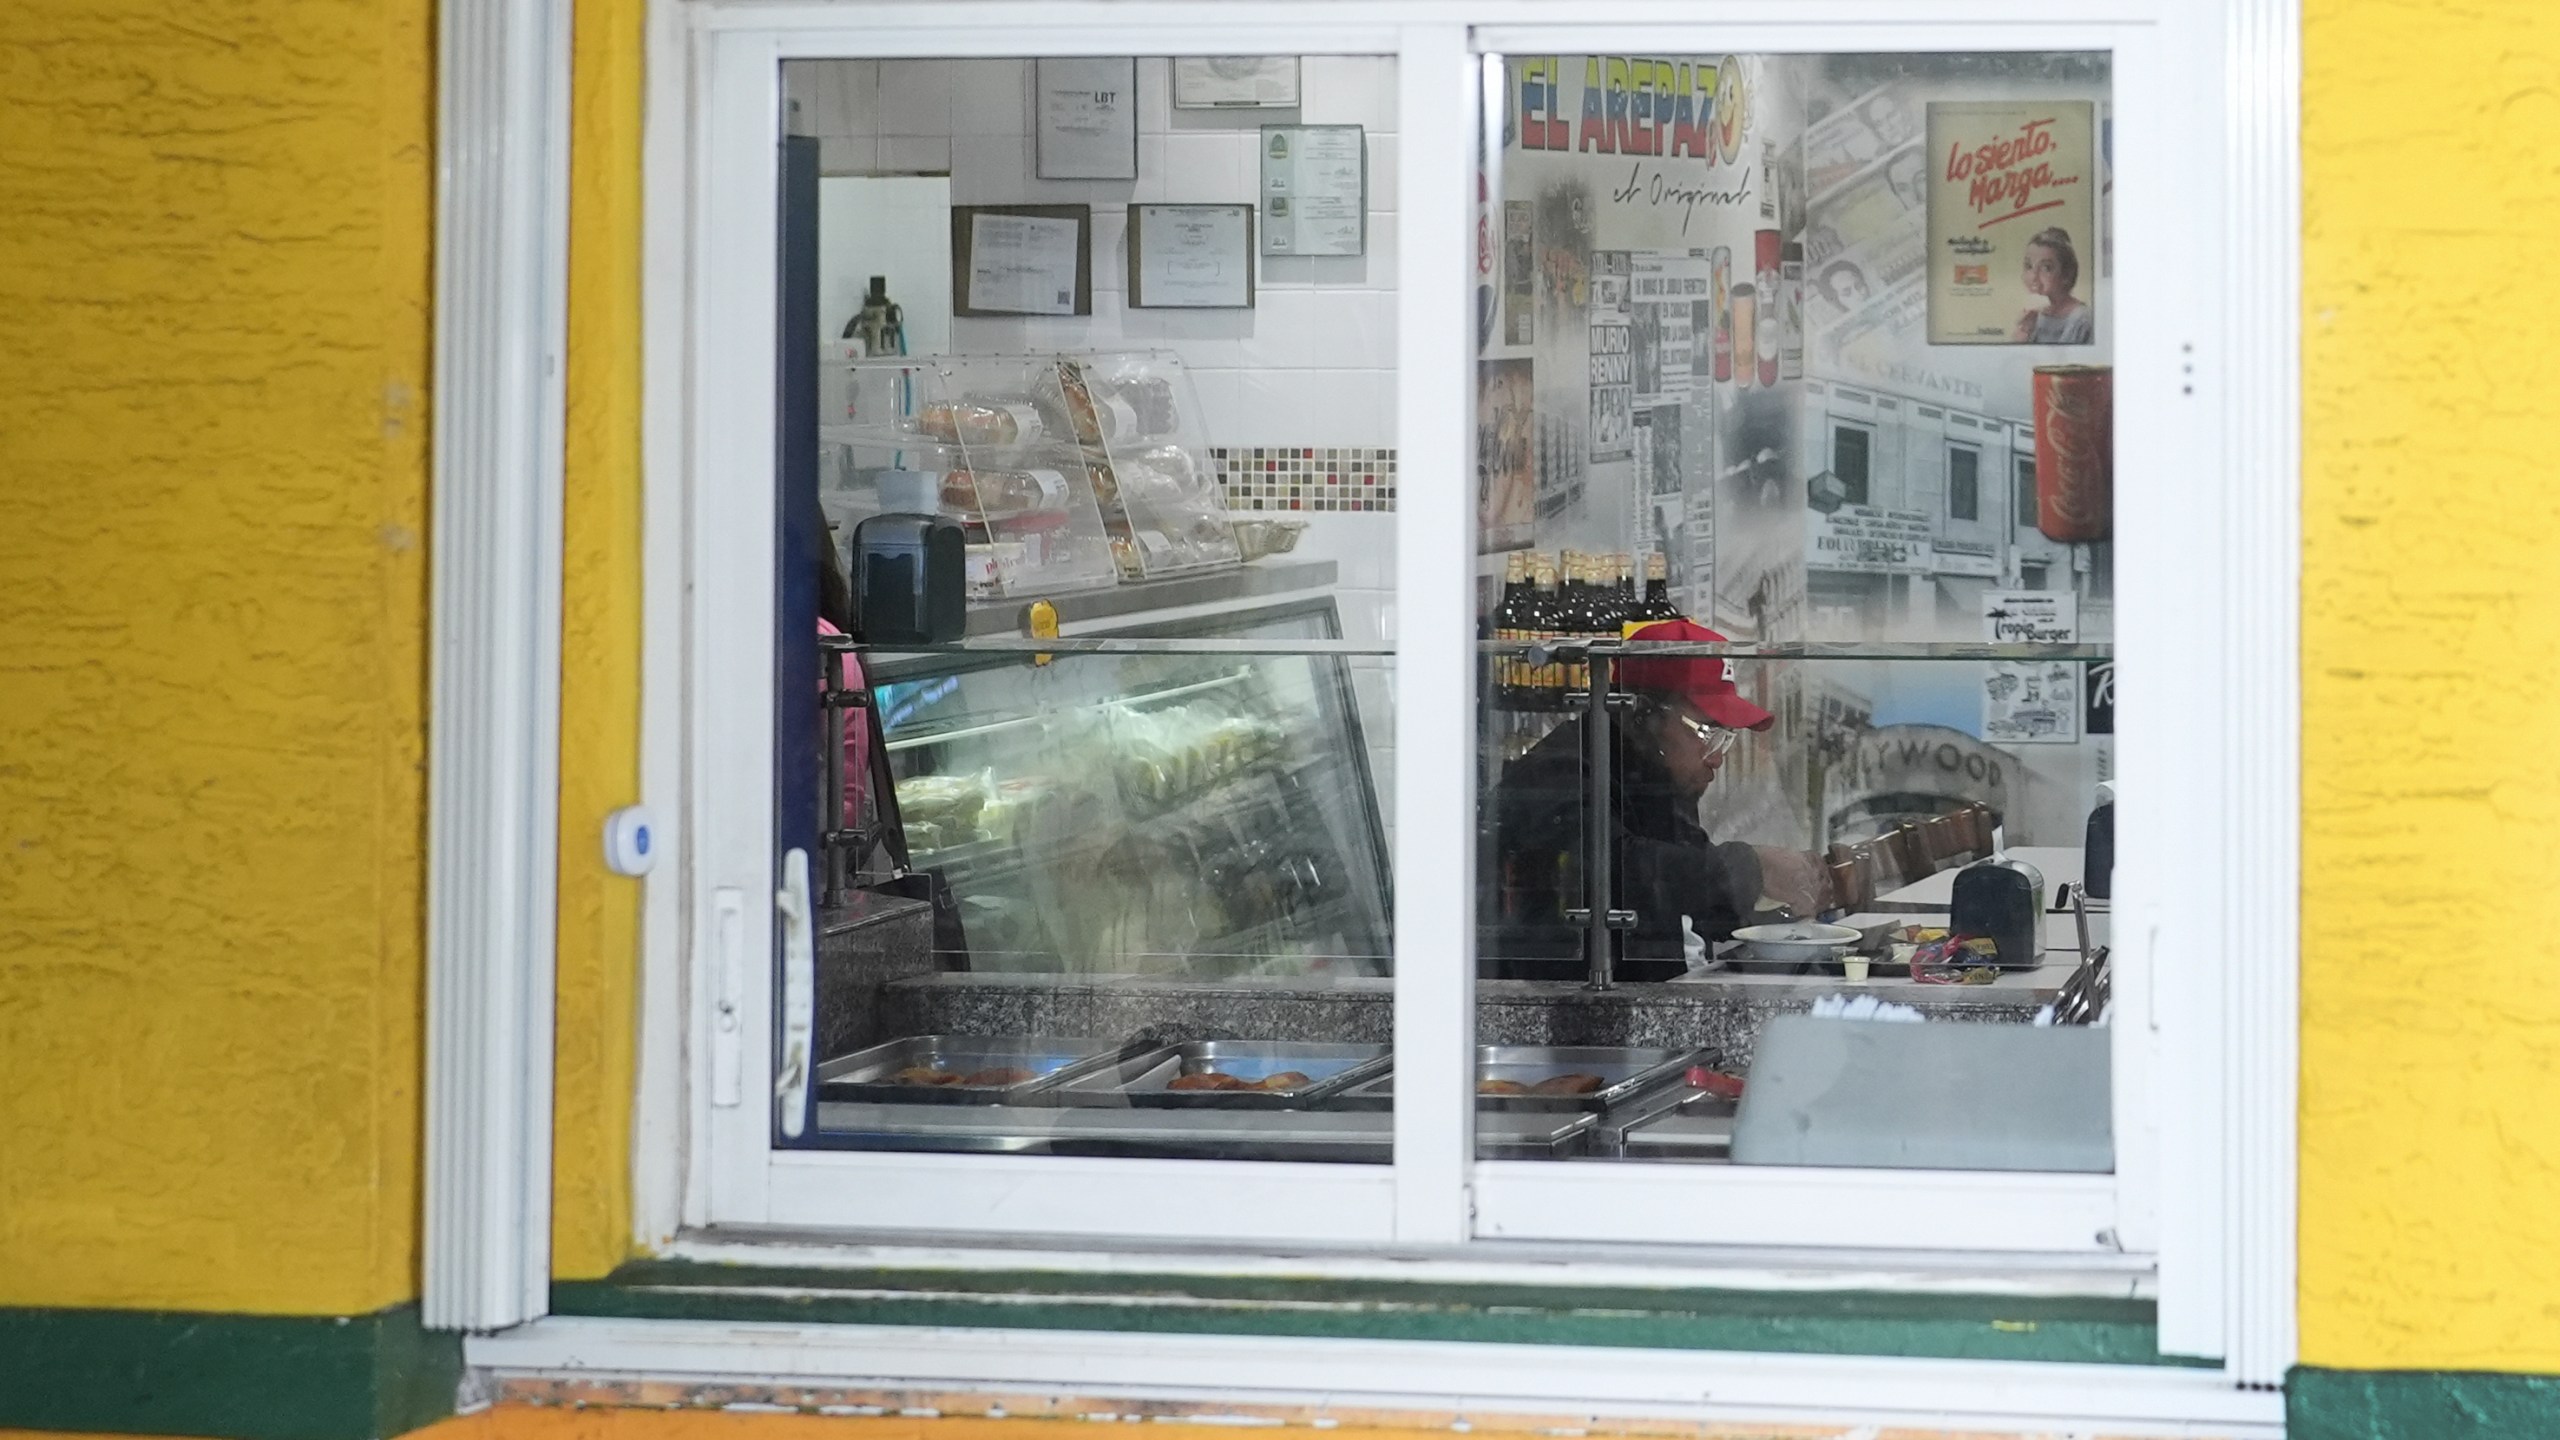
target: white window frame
2203 1191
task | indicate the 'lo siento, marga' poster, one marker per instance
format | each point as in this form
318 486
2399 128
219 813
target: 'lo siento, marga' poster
2013 242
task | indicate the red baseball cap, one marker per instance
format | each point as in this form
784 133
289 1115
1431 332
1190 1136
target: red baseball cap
1705 681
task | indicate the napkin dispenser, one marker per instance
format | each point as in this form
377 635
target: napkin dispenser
2002 900
909 567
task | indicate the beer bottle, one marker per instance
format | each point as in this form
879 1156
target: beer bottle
1656 605
1544 685
1510 626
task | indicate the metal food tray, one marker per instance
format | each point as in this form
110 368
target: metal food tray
1143 1080
1624 1073
1317 1135
1697 1126
866 1075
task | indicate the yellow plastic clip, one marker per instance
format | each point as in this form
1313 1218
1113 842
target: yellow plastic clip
1042 622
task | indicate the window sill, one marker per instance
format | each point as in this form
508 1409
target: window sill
2048 1329
1326 1355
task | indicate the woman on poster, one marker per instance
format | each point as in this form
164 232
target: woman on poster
2052 272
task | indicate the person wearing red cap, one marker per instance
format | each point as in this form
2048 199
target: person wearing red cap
1669 744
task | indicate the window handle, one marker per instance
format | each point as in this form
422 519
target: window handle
728 978
799 989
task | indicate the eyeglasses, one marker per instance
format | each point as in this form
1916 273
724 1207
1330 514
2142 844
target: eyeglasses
1716 738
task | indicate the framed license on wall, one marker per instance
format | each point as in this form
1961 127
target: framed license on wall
1191 257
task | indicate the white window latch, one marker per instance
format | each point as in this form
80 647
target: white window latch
728 997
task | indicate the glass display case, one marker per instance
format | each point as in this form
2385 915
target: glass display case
1173 815
1065 472
1152 470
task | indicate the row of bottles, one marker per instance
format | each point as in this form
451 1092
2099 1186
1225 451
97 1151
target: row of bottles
1572 596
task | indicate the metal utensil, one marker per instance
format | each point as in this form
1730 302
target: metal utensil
2083 997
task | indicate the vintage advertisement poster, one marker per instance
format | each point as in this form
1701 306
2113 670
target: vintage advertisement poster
2013 203
1699 598
1663 290
1665 467
1506 477
2031 702
1613 375
1868 540
1519 274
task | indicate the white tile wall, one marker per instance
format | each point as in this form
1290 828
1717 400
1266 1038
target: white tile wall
1312 364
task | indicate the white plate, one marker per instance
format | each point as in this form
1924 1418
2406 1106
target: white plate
1798 940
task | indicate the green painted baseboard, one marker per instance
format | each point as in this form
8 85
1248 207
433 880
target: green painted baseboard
2419 1405
2119 1332
254 1377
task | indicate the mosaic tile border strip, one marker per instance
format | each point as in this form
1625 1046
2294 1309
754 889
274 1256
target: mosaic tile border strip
1317 477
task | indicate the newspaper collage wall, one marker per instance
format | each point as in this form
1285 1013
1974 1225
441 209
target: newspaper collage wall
1785 320
1644 206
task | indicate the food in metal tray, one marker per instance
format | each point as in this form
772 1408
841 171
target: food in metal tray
1218 1080
1715 1082
993 1077
1570 1083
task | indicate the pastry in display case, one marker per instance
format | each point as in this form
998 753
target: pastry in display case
1170 814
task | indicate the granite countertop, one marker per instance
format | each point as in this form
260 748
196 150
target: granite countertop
1722 1013
2012 988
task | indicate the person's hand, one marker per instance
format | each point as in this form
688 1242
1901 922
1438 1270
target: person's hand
2024 331
1792 878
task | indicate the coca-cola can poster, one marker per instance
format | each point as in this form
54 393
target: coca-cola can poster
2013 236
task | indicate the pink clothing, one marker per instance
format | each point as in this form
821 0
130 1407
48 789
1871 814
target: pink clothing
857 739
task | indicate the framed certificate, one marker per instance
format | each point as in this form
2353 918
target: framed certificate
1235 82
1191 257
1087 119
1021 260
1315 190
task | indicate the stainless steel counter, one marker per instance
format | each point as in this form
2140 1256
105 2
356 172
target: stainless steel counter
1276 576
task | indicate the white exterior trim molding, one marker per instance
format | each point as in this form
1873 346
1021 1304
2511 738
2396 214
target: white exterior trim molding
2205 1198
494 672
2263 992
1437 1379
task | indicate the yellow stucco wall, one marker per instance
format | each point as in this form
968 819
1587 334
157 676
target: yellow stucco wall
214 354
600 648
213 503
214 275
2431 668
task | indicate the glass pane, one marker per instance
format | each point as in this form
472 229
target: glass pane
1794 727
1107 366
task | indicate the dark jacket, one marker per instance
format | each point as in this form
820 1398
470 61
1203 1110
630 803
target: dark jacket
1530 865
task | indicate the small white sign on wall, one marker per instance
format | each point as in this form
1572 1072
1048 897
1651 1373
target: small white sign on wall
1237 82
1088 118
